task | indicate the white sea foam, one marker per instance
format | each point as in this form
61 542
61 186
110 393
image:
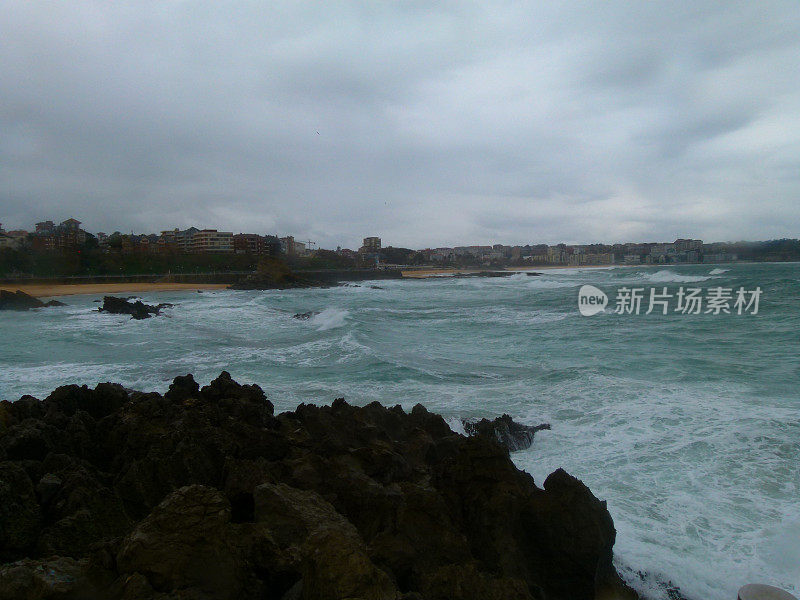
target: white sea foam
543 282
667 276
689 487
718 271
456 425
330 318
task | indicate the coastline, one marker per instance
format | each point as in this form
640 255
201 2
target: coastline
53 290
48 290
433 272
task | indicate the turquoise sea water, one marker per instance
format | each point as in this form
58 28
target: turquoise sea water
688 425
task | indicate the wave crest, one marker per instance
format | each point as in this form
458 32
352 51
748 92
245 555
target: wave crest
330 318
667 276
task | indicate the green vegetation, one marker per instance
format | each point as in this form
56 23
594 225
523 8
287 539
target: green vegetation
88 263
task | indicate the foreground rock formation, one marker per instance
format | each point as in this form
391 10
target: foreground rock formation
137 310
19 300
206 493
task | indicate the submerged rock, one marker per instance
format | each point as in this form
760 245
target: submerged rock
206 493
507 432
19 300
305 315
137 310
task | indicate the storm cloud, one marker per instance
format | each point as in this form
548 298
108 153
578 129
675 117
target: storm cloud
426 124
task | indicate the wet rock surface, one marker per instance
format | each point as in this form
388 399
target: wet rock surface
137 310
492 274
206 493
505 431
305 316
19 300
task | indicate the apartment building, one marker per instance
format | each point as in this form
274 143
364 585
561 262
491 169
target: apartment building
212 241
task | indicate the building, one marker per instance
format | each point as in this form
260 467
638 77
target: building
176 240
688 245
45 228
602 258
252 243
168 240
212 241
720 257
6 241
661 253
556 254
15 239
287 245
371 245
248 243
67 236
271 245
70 225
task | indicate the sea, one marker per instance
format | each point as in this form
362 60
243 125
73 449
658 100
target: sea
686 423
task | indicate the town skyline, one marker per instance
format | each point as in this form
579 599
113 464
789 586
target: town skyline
5 228
442 125
355 241
68 237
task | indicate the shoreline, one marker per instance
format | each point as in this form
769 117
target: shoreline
52 290
433 272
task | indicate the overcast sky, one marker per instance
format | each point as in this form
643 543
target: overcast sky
424 123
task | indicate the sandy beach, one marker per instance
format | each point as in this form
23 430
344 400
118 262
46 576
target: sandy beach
47 290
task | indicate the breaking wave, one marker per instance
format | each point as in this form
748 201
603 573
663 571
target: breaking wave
330 318
667 276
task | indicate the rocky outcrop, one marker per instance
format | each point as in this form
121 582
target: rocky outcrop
19 300
507 432
206 493
492 274
305 316
274 274
137 310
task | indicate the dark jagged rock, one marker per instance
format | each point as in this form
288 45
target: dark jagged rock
507 432
305 316
19 300
137 310
55 577
274 275
206 493
490 274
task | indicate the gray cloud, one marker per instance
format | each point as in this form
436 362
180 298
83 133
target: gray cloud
562 121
